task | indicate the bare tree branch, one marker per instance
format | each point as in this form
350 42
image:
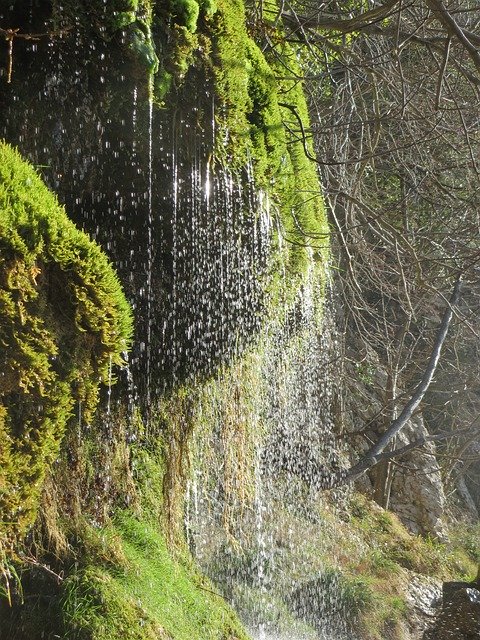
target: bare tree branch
373 456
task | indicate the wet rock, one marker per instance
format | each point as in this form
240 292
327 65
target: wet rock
459 618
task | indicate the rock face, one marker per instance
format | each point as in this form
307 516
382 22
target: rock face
459 618
418 496
471 481
423 596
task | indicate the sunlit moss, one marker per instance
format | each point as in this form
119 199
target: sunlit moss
64 322
264 113
261 108
54 293
186 12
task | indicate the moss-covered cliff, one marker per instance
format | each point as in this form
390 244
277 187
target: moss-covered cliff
174 141
65 328
64 324
176 134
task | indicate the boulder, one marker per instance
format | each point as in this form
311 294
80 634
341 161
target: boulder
459 618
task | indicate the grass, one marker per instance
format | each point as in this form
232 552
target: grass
149 594
391 545
122 579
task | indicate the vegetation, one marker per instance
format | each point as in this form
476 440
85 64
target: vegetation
64 324
148 595
106 558
344 567
69 343
120 580
260 96
258 99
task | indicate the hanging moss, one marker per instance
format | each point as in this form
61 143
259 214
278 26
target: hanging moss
63 323
66 314
264 115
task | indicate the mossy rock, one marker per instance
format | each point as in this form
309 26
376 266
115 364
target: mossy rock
64 322
186 12
264 117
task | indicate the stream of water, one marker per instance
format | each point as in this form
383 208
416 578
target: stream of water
193 242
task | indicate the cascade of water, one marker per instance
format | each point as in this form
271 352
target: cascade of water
215 246
192 242
150 292
263 544
269 572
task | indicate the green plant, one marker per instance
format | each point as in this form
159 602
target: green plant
10 582
466 536
154 595
365 372
186 12
64 323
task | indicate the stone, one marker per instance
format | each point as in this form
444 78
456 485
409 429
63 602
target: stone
459 618
418 496
423 596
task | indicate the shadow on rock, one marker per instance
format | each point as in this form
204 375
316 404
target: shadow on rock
459 617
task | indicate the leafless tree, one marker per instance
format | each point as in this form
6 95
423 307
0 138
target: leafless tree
394 95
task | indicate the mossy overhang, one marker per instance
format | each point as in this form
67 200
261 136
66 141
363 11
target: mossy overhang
64 322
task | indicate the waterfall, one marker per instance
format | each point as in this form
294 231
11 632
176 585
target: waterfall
201 252
251 526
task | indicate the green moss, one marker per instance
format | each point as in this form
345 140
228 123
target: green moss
169 599
253 89
123 19
63 323
162 85
301 204
208 7
140 45
182 57
152 595
261 111
126 5
180 41
186 13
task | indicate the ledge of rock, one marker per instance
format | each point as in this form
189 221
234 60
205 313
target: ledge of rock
459 617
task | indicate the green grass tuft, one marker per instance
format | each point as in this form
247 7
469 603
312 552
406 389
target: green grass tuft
152 594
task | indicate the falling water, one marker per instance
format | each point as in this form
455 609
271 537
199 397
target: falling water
150 247
260 552
192 243
109 388
262 545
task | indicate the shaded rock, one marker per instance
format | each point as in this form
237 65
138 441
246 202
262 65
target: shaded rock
459 617
418 496
417 493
